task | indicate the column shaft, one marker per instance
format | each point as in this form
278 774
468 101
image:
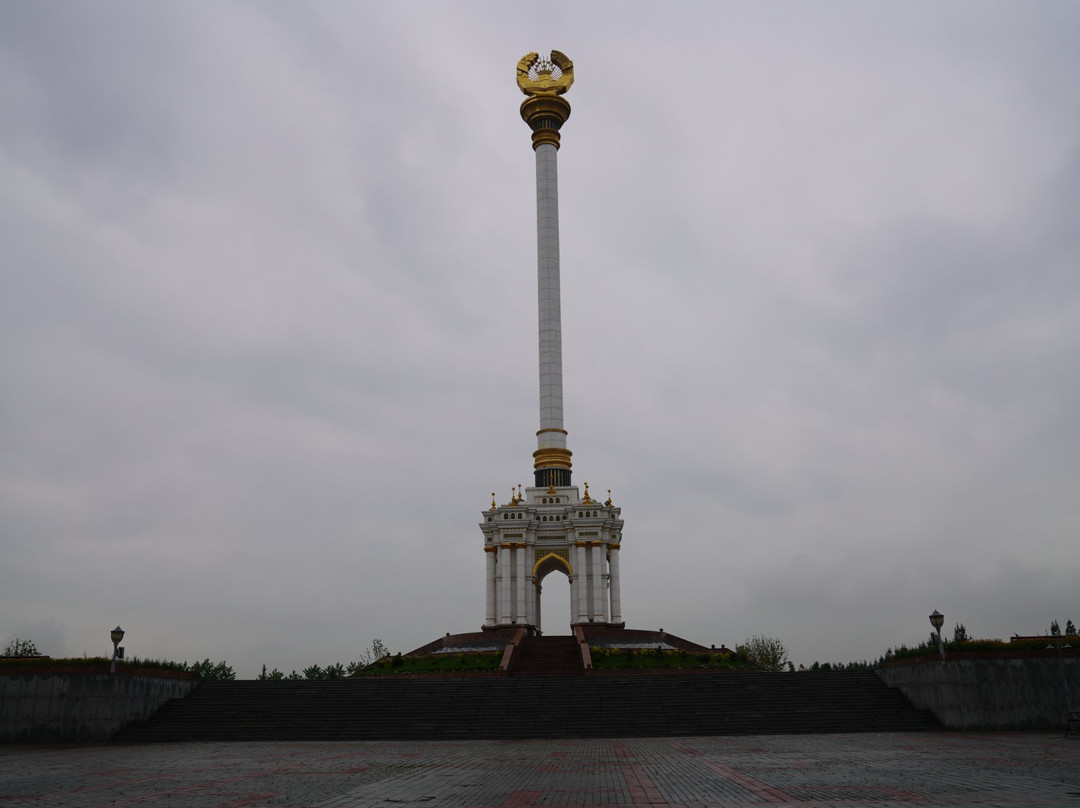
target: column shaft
547 230
616 597
520 610
507 576
582 578
490 612
598 581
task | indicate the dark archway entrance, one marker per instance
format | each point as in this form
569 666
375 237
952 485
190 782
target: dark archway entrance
553 595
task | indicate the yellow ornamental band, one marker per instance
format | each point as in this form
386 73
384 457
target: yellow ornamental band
553 458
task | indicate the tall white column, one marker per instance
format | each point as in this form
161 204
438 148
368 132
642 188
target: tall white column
616 598
520 608
547 231
598 581
490 615
583 583
545 81
507 574
574 591
535 601
530 600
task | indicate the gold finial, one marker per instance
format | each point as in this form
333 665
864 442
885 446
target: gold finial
513 496
608 503
545 81
537 75
551 488
587 498
520 498
493 500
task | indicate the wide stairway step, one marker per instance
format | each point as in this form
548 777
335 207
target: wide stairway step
598 706
547 656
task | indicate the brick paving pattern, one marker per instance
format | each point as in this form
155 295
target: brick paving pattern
811 771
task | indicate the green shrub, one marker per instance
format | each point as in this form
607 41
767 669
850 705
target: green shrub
20 648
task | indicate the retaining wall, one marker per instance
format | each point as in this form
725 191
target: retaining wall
991 694
79 707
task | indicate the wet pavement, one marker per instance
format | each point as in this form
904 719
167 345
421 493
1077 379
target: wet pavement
812 771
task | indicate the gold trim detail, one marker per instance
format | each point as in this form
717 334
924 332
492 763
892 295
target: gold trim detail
541 552
552 459
545 115
557 557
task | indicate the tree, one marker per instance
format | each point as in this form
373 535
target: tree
1070 629
373 654
960 633
767 653
274 676
1055 629
212 672
21 648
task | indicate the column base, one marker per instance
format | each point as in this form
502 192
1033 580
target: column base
530 629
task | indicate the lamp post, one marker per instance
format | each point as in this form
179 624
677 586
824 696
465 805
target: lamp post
1058 644
116 635
937 620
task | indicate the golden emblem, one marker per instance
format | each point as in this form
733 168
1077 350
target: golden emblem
537 75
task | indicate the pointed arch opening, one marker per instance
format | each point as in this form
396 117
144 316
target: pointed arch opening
554 593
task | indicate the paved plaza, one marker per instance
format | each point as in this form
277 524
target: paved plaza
886 769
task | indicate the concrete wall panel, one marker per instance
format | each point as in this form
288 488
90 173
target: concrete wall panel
992 694
90 707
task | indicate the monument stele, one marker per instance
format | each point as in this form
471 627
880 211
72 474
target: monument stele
551 527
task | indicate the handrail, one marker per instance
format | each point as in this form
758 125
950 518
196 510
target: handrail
508 652
583 647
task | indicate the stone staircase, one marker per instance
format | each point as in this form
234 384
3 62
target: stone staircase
547 656
514 707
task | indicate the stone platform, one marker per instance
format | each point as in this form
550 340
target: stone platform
809 771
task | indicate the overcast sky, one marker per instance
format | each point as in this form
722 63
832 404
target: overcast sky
268 318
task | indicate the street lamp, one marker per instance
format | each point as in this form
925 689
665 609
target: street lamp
937 620
116 635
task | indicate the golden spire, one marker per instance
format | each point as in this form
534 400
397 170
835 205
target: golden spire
588 499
